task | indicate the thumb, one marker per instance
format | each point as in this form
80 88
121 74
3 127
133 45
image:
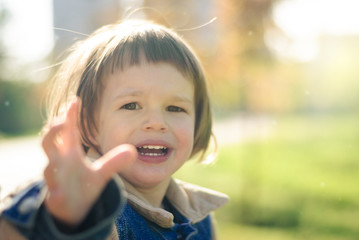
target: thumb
115 160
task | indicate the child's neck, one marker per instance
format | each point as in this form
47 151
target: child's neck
153 195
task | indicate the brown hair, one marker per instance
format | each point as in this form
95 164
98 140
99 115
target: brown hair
118 46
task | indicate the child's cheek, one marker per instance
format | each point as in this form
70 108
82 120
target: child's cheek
185 133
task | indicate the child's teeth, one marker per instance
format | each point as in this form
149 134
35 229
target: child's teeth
154 147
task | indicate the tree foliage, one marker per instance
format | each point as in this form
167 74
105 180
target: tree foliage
19 107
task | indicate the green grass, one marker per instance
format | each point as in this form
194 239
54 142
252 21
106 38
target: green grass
302 182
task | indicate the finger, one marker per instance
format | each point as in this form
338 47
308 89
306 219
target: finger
71 133
115 160
49 142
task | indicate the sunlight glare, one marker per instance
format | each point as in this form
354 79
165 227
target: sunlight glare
305 21
28 31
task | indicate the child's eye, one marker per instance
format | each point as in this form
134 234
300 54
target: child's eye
175 109
131 106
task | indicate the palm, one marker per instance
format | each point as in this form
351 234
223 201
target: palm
73 183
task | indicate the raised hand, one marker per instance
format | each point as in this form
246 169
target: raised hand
73 183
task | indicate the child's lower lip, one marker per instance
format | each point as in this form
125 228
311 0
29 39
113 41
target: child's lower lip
156 159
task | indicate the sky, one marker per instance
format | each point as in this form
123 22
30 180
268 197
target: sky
28 34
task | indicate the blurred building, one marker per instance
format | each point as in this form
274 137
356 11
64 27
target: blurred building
73 20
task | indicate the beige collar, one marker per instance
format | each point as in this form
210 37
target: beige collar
192 201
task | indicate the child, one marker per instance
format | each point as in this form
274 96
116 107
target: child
131 99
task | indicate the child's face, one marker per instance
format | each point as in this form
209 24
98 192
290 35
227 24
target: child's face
152 107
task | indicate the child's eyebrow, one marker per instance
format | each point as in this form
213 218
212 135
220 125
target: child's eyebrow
178 98
129 93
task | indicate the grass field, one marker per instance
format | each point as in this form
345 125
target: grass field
301 182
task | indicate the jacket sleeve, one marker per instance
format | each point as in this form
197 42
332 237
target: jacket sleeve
27 218
9 232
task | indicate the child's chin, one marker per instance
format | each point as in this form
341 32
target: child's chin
148 180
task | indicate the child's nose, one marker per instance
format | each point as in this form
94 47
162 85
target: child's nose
155 122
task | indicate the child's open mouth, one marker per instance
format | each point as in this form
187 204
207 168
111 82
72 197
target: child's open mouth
152 151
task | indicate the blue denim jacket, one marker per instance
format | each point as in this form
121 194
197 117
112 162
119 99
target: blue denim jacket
133 218
131 225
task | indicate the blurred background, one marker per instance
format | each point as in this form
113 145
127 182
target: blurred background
284 80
